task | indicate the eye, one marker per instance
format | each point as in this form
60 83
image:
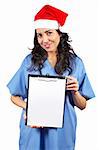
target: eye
39 35
49 33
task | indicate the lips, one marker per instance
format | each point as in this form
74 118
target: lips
47 45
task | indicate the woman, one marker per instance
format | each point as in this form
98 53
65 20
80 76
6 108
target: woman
53 55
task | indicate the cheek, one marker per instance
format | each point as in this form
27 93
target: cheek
57 40
40 41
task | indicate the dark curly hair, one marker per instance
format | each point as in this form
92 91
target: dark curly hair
65 54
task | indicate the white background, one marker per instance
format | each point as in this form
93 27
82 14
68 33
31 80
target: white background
16 35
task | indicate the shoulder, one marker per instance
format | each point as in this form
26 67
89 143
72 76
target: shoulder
78 67
27 60
79 62
78 59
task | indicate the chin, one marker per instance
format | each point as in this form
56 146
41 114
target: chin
50 50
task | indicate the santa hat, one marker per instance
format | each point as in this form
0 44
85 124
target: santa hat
50 17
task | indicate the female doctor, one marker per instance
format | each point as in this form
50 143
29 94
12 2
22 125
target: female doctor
52 54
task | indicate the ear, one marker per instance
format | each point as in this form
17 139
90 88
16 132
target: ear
60 35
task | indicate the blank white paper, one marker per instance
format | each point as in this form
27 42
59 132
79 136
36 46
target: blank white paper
46 101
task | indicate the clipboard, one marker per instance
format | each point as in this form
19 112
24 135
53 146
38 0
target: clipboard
45 102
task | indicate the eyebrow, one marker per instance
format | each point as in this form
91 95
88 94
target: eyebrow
44 31
48 30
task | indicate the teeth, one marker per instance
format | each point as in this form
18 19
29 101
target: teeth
47 46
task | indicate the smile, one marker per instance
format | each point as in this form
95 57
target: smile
47 45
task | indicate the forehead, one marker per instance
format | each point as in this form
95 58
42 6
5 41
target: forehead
43 30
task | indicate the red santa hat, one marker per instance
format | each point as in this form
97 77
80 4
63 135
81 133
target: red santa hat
50 17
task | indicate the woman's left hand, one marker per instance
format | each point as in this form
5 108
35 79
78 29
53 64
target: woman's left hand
72 84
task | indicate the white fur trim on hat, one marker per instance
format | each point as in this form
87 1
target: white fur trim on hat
44 23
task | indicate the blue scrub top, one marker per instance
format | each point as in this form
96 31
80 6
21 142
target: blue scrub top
50 138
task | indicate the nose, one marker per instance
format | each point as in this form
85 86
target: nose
45 38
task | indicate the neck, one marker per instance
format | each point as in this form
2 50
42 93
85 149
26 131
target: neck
52 54
52 58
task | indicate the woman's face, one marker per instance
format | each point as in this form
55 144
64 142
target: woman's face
48 39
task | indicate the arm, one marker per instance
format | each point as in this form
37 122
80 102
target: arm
79 100
18 101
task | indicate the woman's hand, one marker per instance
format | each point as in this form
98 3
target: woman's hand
24 116
79 100
72 84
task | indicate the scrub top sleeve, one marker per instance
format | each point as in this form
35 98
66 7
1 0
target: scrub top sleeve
17 85
84 84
